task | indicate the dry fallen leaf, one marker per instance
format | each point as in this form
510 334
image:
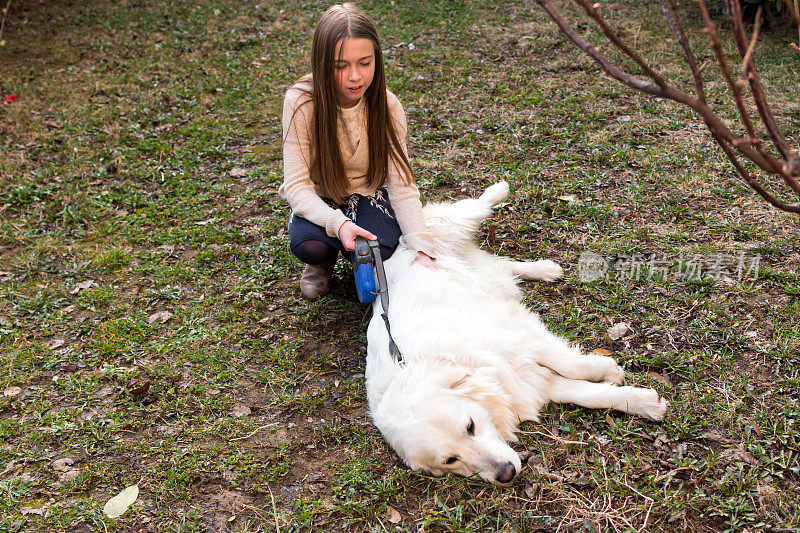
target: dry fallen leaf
161 316
10 392
618 331
63 465
57 343
237 172
715 436
660 378
68 367
139 389
602 351
117 505
738 454
394 516
32 510
241 410
83 285
69 475
212 392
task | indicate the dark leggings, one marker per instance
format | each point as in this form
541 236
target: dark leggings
311 244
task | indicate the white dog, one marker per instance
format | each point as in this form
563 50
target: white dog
476 362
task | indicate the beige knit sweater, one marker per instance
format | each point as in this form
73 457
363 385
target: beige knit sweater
303 194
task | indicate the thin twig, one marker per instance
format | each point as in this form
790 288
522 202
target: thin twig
749 180
670 8
595 54
647 517
253 432
673 471
563 441
747 60
3 21
667 91
274 509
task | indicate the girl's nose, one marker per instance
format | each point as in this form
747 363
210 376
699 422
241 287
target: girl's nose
354 74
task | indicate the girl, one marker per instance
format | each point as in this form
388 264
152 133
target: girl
346 170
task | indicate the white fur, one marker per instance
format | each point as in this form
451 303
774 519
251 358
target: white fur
473 352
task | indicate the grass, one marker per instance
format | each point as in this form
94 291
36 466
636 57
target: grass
139 174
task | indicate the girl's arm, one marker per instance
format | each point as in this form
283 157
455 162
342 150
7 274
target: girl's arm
298 188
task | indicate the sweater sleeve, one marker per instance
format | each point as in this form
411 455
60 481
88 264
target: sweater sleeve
403 196
298 188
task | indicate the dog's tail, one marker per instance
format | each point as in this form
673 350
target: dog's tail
454 225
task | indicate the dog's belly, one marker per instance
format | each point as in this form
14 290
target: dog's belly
441 309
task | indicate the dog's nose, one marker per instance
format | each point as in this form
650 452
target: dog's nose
506 474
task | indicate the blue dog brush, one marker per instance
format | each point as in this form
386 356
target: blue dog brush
364 269
371 281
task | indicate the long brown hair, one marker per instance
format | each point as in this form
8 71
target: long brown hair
338 23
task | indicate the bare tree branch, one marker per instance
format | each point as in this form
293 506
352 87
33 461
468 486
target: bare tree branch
735 17
669 7
593 10
748 55
584 45
752 147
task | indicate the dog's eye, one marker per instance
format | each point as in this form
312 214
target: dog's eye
471 427
451 460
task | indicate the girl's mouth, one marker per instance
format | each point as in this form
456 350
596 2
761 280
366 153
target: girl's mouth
355 89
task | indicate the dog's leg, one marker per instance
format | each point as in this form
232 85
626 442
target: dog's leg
454 225
551 351
544 270
634 400
495 194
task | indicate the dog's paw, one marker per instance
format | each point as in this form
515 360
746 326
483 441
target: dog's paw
546 270
653 406
495 194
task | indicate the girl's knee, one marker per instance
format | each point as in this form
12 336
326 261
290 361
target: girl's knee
314 252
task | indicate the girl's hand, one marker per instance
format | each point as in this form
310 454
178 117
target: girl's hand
348 233
425 260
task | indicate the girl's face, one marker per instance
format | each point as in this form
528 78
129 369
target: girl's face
353 68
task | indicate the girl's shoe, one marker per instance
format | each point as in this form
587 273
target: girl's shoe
317 279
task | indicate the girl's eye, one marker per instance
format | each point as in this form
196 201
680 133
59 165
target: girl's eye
365 64
451 460
339 67
471 427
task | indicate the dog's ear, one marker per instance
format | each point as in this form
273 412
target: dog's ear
477 382
451 376
461 381
485 387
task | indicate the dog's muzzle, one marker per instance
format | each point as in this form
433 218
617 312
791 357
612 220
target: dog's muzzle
506 474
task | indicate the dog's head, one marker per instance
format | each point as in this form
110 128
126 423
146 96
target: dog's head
450 420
